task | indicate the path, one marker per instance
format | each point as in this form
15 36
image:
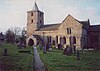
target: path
39 66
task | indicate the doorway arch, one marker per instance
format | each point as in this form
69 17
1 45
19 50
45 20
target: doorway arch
31 42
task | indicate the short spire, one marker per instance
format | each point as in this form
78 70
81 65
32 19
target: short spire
35 7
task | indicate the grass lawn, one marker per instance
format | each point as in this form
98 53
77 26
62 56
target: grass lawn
56 61
15 61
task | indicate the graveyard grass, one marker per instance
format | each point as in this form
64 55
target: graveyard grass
15 61
56 61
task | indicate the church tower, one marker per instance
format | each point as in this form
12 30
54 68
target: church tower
35 19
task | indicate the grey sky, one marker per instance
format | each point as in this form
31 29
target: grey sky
13 13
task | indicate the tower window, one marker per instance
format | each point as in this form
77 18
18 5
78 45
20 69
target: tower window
31 14
32 21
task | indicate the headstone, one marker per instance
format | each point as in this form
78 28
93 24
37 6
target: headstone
50 49
67 50
5 52
59 46
20 45
44 49
74 49
78 55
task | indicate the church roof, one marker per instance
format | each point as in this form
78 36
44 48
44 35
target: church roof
35 7
94 28
49 27
85 24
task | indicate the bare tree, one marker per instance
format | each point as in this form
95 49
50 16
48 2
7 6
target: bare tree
17 31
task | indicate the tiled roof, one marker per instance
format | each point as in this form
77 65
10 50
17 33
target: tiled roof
49 27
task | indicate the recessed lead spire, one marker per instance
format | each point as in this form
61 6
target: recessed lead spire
35 7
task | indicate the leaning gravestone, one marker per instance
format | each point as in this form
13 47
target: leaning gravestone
5 52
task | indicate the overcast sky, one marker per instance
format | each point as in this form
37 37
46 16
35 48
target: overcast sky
13 13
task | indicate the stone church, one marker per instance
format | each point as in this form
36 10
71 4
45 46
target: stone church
79 34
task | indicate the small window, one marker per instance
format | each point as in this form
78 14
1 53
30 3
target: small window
31 14
32 21
68 30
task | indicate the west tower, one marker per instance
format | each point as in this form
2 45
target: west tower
35 19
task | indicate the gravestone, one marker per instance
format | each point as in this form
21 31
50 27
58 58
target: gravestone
59 46
78 55
19 45
44 49
5 52
50 49
67 50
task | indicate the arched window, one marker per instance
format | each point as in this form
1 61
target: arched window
74 40
67 30
64 40
56 39
61 40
